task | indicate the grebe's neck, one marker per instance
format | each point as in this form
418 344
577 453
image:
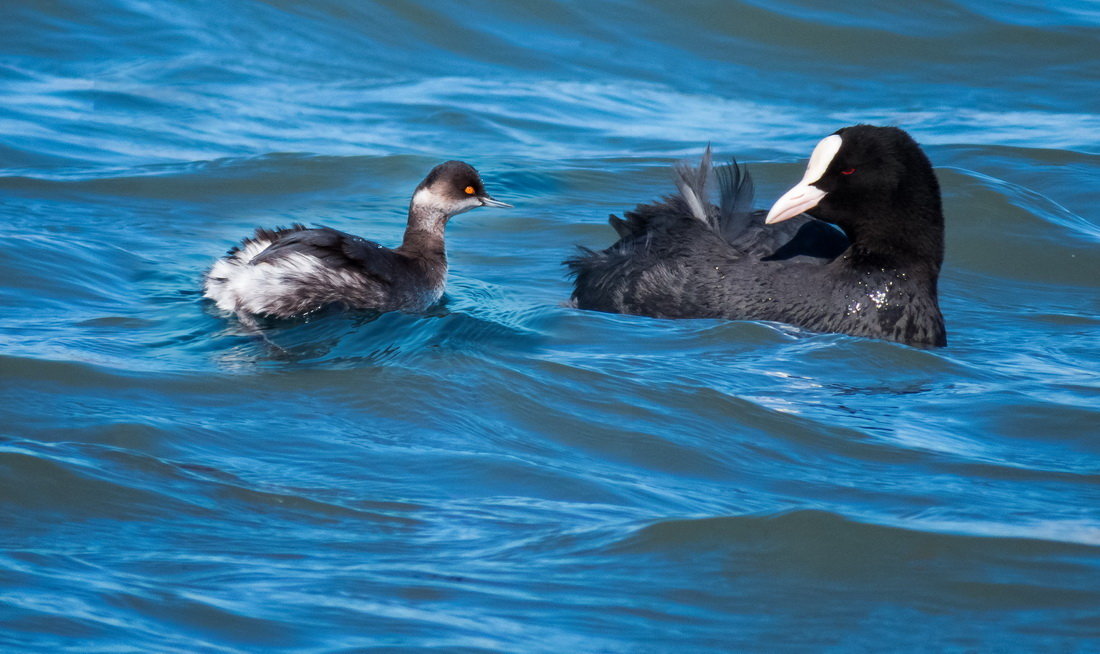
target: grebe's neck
427 222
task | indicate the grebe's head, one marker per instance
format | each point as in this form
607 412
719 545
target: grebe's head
451 188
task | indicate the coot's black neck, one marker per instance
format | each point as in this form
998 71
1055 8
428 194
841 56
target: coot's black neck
897 233
916 253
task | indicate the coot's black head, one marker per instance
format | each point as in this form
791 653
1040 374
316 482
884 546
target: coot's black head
451 188
877 185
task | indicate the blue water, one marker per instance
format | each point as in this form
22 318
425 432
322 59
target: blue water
508 474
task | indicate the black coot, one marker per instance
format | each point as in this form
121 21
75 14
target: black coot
876 276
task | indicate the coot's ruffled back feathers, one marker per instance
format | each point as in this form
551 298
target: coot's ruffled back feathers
733 215
627 277
663 264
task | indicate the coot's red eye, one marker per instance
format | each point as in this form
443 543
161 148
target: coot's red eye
848 172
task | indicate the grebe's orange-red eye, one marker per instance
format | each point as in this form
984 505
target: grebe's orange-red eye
848 172
469 190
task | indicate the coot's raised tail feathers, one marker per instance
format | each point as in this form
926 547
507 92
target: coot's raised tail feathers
875 276
730 218
735 208
692 183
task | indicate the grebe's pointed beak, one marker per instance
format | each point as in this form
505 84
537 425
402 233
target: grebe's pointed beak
490 201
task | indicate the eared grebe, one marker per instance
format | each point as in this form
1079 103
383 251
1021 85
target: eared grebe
294 271
684 258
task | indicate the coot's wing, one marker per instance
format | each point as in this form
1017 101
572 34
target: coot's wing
334 249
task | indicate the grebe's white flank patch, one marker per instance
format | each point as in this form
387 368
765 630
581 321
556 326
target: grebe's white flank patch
238 286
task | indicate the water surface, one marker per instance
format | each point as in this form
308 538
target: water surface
505 473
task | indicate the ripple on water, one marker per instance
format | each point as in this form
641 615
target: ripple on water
506 473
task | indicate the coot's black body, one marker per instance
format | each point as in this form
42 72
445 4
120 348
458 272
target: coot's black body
294 271
876 276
